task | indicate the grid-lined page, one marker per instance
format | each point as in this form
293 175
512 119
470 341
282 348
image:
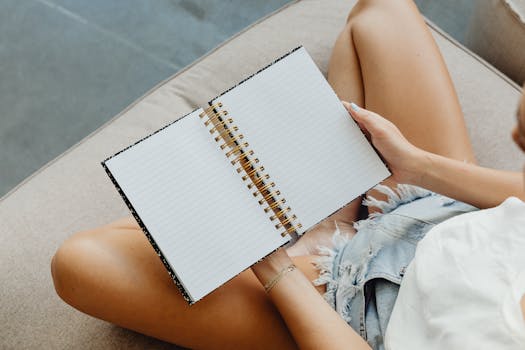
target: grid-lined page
304 137
202 217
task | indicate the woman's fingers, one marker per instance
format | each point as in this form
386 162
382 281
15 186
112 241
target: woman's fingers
361 116
353 109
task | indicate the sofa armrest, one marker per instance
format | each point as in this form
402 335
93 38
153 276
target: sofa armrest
497 33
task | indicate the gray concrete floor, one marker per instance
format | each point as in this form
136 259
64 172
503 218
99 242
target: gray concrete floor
451 15
67 66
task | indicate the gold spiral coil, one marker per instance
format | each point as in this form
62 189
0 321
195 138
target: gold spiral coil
215 117
219 122
222 123
269 195
244 155
291 229
225 133
275 205
237 149
248 163
258 181
252 172
233 140
263 188
280 213
210 110
288 220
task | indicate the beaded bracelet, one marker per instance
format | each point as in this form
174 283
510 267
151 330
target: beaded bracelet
268 286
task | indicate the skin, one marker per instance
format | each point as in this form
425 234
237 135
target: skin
384 60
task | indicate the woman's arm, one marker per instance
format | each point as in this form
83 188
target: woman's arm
469 183
481 187
311 321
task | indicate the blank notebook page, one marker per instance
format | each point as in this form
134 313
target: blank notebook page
304 137
193 203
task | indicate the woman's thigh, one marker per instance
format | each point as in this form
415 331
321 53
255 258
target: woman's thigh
388 61
113 273
405 78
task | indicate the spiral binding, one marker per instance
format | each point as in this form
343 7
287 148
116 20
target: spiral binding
236 150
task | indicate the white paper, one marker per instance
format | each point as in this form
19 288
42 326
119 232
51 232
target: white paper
190 198
304 137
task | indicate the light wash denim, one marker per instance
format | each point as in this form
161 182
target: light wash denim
362 274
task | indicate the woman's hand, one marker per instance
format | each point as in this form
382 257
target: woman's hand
484 188
403 158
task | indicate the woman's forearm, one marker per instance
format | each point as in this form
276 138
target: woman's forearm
481 187
469 183
311 321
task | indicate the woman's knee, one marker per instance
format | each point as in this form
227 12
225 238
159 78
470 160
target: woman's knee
70 264
365 12
381 8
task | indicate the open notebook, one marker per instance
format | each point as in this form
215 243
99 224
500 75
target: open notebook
225 186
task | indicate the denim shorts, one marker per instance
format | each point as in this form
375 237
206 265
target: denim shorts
363 273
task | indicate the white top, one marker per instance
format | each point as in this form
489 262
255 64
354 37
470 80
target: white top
463 288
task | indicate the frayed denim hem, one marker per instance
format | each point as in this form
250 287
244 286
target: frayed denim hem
349 282
325 264
401 195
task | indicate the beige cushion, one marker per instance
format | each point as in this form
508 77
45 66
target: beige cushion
73 193
497 33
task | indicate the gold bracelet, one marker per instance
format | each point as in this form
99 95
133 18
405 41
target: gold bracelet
268 286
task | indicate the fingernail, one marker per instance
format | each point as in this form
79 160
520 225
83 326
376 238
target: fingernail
354 106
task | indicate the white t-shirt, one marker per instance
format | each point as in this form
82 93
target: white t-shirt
463 288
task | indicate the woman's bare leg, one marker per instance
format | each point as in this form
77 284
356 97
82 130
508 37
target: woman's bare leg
113 273
387 46
385 60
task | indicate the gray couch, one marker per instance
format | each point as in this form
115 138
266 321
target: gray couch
72 192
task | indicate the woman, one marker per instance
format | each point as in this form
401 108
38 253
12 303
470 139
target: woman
385 60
